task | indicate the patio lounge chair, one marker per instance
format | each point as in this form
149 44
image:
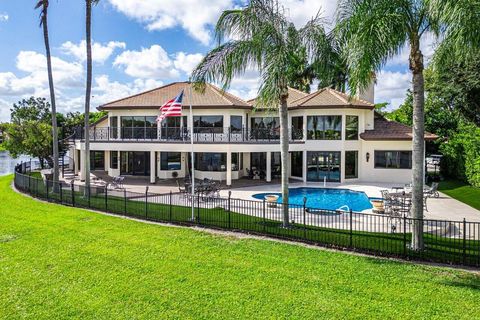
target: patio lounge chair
432 191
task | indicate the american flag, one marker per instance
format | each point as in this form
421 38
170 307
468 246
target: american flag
172 108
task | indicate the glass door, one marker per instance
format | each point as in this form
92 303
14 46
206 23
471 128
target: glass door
323 165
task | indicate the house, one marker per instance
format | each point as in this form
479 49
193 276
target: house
333 137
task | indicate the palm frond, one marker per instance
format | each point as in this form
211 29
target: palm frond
370 32
43 6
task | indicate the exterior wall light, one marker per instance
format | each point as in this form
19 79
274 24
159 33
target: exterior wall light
368 156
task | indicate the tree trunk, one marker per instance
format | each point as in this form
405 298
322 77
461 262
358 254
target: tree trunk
86 164
52 97
418 145
284 141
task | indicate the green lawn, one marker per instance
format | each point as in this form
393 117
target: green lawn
462 192
62 262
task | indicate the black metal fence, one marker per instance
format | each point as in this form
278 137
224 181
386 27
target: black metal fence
451 242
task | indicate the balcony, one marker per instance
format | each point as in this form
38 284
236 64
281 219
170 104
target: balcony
182 135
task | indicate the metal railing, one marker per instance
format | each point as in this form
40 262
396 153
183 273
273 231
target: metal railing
451 242
182 134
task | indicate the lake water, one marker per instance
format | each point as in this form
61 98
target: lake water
7 163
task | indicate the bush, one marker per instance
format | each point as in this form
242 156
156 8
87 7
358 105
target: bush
461 155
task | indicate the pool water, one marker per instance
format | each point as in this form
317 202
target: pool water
324 198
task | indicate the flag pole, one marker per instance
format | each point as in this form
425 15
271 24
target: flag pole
191 154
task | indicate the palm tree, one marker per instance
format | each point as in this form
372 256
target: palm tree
43 5
374 30
88 19
259 36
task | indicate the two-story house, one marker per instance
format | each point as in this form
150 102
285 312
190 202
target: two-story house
333 138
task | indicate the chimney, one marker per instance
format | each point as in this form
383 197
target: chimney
369 93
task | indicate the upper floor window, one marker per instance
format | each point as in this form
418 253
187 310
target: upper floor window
113 127
324 127
236 124
139 127
351 128
297 128
393 159
208 124
265 128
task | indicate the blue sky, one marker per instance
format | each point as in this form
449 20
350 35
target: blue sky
138 45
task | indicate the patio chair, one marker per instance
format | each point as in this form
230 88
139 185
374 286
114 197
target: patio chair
183 190
432 191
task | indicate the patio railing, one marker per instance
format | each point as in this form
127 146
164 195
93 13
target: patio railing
451 242
182 134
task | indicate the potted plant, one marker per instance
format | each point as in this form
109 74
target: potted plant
175 174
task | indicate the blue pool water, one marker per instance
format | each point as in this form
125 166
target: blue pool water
324 198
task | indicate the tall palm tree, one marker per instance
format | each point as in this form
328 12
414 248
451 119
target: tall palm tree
259 36
374 30
88 92
43 5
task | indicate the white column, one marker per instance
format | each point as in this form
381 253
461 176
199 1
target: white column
107 161
152 166
82 162
305 127
229 169
304 166
75 161
269 166
119 128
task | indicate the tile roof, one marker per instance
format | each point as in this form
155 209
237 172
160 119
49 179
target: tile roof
153 99
330 98
391 130
293 94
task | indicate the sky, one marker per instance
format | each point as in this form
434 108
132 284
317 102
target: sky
137 45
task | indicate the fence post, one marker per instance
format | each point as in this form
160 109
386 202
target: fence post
404 235
464 241
46 183
351 228
88 194
125 201
106 198
60 191
305 218
72 188
229 212
170 207
198 210
29 178
263 215
146 202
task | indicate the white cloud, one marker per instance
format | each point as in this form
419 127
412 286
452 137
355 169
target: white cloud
392 87
4 17
105 90
246 86
100 52
187 62
152 62
301 11
194 16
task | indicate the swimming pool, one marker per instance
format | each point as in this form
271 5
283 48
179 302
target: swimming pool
325 198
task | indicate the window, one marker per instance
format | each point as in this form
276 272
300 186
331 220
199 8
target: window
297 128
170 161
114 127
97 160
351 164
351 128
171 128
235 124
114 159
208 124
236 162
207 161
297 163
393 159
139 127
265 128
324 127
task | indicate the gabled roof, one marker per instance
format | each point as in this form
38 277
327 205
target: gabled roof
330 98
293 94
213 97
390 130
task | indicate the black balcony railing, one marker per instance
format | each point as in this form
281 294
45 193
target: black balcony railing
182 134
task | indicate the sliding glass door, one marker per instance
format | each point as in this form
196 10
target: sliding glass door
323 165
135 163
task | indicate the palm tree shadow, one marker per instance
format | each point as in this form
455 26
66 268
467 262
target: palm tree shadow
468 281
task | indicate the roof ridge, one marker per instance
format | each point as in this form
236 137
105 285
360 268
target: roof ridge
339 93
226 95
339 96
140 93
299 91
309 96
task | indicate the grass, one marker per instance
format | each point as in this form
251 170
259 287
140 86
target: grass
462 192
63 262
